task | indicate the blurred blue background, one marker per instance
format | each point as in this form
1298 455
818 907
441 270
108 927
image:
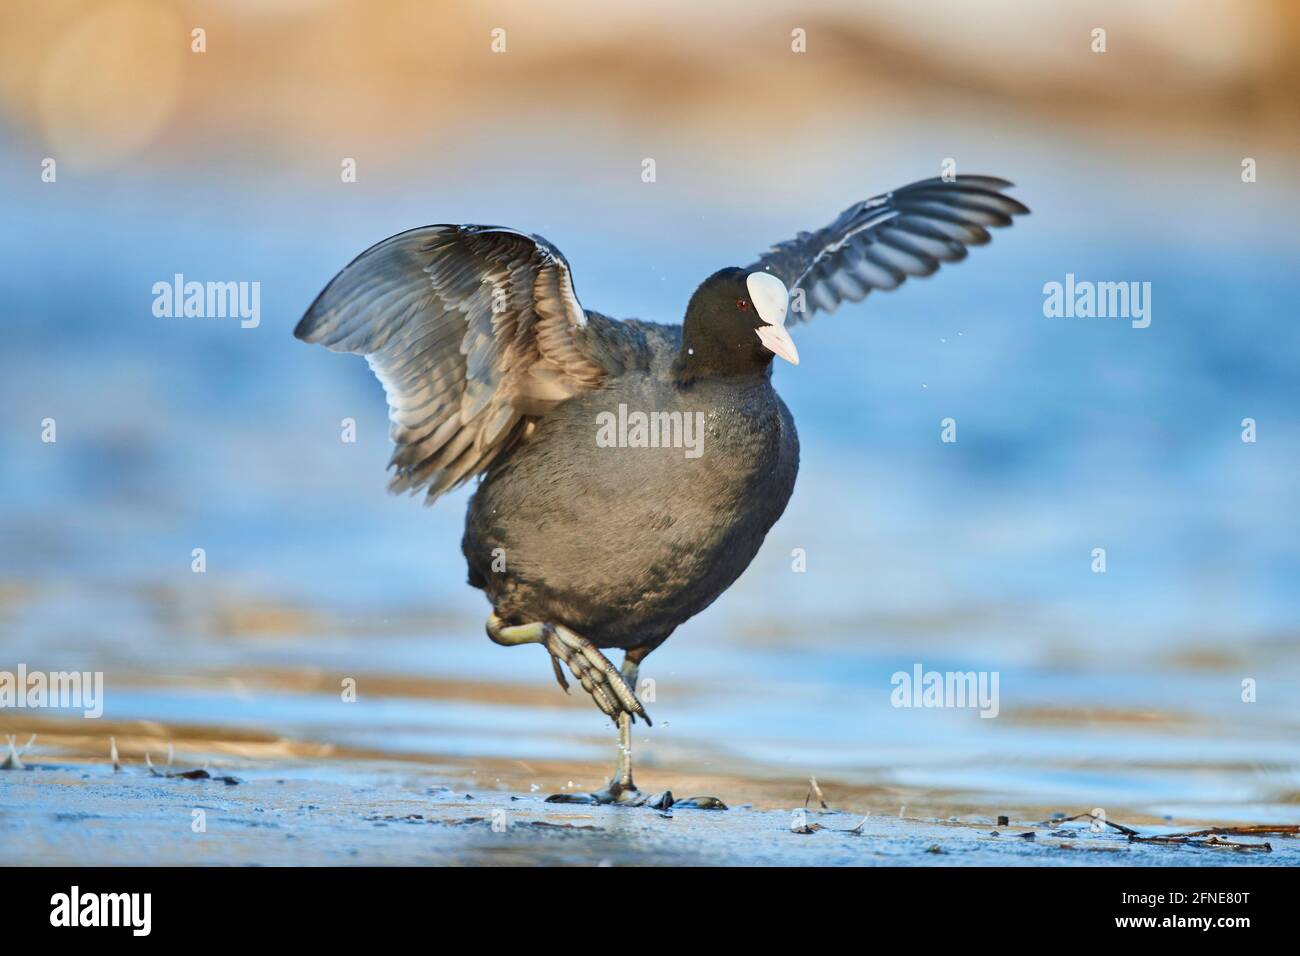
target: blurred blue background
1074 433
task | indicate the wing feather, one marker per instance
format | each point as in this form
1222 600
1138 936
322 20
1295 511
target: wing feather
471 330
879 242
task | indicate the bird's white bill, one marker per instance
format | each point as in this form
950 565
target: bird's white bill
771 301
778 341
769 295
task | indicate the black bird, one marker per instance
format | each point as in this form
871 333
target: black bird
630 470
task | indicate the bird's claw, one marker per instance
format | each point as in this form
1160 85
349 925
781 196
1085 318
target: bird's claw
598 676
601 679
559 674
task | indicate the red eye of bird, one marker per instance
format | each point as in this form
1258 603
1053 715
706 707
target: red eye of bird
742 304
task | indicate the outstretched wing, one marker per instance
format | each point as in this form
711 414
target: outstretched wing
878 243
472 330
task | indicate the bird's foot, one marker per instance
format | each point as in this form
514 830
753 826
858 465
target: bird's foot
613 793
621 790
598 676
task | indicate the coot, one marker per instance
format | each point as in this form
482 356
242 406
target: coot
630 470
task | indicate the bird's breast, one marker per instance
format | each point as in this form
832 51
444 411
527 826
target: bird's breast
639 502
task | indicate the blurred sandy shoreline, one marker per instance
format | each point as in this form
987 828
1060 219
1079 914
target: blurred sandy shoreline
421 74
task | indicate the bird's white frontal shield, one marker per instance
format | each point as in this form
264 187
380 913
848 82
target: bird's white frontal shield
772 302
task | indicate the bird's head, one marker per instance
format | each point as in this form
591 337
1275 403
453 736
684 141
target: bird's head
735 322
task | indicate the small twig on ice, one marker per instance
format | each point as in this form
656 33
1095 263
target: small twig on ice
200 773
1202 838
1127 831
1255 829
14 761
815 791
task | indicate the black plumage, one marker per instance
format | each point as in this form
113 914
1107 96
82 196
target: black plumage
624 544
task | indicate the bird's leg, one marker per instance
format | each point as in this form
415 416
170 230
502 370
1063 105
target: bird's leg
598 676
622 779
621 788
614 692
